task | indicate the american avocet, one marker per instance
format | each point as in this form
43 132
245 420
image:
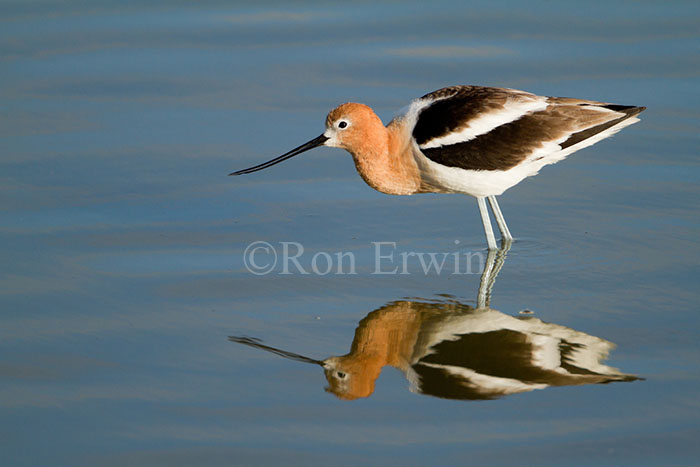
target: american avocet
451 350
474 140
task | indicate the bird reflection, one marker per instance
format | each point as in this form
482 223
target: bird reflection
452 350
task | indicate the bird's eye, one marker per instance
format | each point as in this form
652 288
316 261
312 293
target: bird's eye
341 375
342 124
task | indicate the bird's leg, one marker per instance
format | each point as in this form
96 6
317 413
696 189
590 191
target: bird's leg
500 260
492 266
488 230
484 296
506 237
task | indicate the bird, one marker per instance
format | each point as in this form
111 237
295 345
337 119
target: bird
466 139
449 349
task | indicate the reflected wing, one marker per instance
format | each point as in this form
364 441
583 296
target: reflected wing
480 128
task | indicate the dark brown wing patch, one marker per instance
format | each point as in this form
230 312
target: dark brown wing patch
453 108
629 111
507 145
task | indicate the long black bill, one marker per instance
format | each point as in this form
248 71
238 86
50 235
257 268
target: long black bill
282 353
304 147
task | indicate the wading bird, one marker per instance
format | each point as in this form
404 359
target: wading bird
451 350
474 140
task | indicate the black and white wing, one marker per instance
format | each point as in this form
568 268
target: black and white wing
484 128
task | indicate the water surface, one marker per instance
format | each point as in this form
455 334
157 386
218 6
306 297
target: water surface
122 238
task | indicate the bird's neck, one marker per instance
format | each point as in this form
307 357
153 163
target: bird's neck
385 160
385 337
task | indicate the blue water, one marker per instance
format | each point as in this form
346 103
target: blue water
122 239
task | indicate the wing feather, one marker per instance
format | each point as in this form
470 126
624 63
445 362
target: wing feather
461 113
479 128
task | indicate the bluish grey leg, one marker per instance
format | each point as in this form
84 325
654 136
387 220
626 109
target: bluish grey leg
500 220
486 220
